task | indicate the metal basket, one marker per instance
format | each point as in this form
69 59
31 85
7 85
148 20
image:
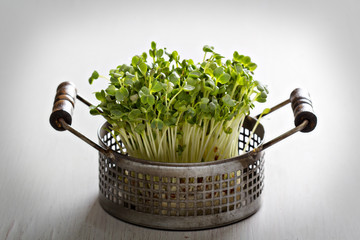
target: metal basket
181 196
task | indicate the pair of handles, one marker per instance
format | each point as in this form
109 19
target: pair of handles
66 94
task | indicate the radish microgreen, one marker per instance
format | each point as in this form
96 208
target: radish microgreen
171 110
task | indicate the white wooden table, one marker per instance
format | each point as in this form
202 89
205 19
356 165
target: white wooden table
49 179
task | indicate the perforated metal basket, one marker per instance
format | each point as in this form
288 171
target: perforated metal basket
181 196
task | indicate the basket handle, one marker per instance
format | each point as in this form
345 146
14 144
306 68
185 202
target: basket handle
64 104
305 119
301 105
63 109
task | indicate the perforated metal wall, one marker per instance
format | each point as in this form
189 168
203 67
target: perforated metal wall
182 191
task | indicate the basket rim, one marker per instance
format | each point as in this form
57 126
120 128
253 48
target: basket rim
251 155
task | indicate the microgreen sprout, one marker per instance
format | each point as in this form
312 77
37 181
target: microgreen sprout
171 110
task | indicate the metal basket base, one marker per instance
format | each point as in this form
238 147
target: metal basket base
182 196
178 223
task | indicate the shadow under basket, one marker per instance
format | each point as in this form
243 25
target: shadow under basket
185 196
181 196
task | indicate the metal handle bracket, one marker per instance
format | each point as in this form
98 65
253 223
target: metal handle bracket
305 119
63 109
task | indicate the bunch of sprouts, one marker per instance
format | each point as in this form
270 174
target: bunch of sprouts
171 110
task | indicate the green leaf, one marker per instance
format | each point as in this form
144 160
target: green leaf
100 96
153 45
180 106
94 75
140 128
238 68
192 81
240 80
212 107
143 68
115 81
129 76
252 66
227 130
111 90
156 87
144 98
134 97
159 53
184 96
259 86
191 62
128 81
135 60
213 66
208 48
151 114
94 110
205 100
261 100
266 90
188 88
190 112
144 91
170 121
224 78
121 94
169 87
144 56
263 95
233 73
175 55
148 99
160 107
266 111
215 91
157 124
131 71
180 149
204 107
218 71
116 112
209 71
246 60
194 74
174 78
134 114
218 56
222 89
152 53
237 57
210 83
228 101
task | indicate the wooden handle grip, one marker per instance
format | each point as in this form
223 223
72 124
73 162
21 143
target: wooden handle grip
303 109
64 104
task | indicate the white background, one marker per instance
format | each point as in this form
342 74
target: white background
48 179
